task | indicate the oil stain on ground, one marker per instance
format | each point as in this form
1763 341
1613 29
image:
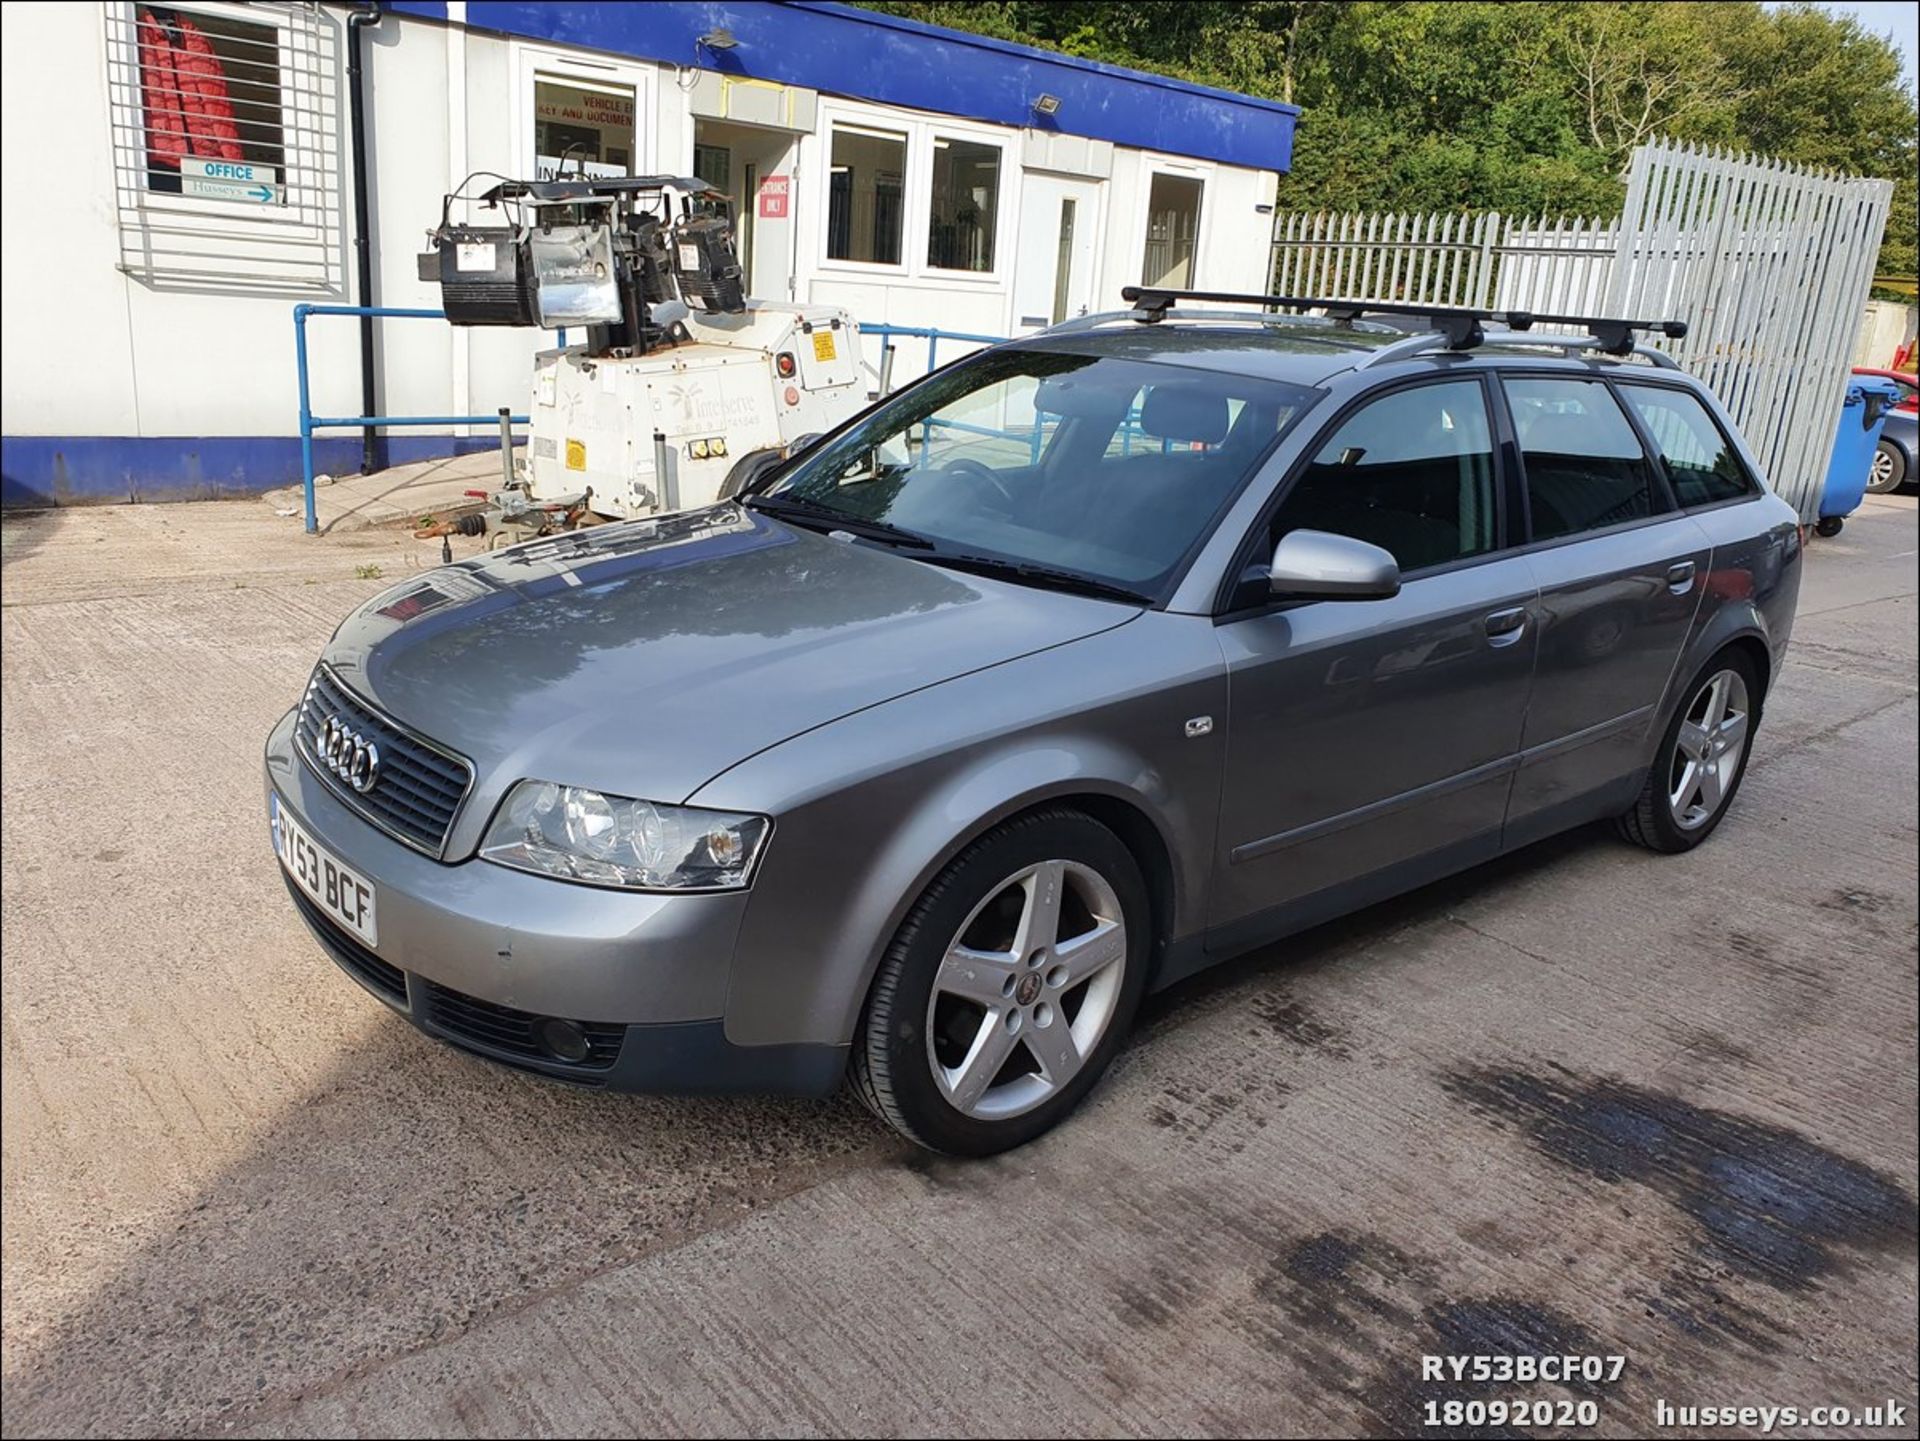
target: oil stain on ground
1284 1015
1355 1312
1767 1202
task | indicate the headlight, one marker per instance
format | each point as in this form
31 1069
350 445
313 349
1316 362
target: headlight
582 835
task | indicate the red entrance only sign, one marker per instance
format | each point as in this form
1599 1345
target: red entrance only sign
773 198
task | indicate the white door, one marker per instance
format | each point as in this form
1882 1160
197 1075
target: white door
1053 275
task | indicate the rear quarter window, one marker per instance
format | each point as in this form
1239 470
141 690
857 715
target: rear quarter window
1699 457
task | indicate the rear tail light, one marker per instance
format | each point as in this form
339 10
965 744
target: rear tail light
785 364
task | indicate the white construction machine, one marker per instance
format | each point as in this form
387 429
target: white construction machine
684 389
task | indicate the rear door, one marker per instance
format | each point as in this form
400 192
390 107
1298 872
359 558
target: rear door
1620 572
1371 743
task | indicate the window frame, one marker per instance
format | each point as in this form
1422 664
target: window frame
532 63
280 25
934 137
908 170
1651 443
1666 505
916 185
1224 608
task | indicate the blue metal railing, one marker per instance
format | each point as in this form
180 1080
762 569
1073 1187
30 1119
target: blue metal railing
309 422
931 334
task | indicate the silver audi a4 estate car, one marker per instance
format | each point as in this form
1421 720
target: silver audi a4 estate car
1084 663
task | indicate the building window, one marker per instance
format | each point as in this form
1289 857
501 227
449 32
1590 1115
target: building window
209 91
865 213
581 127
714 164
966 205
227 124
1173 222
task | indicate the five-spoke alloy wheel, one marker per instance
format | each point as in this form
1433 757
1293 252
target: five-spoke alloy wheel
1008 988
1708 750
1701 758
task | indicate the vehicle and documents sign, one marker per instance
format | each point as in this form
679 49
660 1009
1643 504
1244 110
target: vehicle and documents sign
231 180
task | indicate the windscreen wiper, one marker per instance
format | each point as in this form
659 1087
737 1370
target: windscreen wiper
1045 576
813 513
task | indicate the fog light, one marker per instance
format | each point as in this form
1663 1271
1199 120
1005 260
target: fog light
563 1039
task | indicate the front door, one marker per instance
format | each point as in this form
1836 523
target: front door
1372 743
1053 274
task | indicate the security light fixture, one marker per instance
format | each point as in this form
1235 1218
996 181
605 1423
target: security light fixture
717 40
1047 105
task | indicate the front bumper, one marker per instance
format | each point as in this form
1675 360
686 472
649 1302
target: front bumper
479 955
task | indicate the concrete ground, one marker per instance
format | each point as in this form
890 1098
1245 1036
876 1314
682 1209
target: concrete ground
399 497
1585 1099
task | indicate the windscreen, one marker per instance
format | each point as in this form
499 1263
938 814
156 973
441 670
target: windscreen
1107 467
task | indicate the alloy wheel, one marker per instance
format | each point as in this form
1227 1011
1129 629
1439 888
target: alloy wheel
1026 989
1707 751
1880 477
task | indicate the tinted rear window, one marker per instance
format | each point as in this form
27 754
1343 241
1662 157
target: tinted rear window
1585 466
1700 459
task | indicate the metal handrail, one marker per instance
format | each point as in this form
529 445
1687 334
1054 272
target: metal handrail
309 422
933 335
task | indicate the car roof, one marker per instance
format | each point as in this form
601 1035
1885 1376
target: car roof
1304 350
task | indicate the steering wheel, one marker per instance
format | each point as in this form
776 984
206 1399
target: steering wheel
976 470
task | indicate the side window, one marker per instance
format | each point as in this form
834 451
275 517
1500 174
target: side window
1585 466
1699 457
1412 473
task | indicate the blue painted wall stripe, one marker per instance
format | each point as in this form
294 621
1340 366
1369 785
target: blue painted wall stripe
869 56
43 470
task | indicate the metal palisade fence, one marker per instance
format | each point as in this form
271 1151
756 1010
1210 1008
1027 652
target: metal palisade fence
1768 264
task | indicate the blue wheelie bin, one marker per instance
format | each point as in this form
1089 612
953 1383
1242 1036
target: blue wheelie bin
1868 401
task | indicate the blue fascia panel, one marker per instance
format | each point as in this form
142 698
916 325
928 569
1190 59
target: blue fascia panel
869 56
46 470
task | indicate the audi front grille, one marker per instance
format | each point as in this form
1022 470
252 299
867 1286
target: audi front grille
402 783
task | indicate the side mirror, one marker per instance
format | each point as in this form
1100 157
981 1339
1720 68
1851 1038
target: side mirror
1332 567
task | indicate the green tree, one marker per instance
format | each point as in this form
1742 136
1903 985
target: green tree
1528 108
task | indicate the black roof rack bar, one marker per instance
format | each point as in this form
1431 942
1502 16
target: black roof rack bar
1462 328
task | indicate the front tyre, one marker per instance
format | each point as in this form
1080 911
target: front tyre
1009 987
1702 758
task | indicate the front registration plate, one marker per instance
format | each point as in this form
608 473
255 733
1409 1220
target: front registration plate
343 893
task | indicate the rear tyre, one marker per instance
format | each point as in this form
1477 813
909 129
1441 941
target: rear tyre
1702 758
1889 471
1009 987
1829 525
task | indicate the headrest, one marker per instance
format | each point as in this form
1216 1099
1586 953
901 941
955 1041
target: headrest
1186 413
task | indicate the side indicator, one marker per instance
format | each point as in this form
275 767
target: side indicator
1200 725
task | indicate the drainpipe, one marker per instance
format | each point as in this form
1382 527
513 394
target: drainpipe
362 240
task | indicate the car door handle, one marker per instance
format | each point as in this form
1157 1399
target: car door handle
1680 577
1504 627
